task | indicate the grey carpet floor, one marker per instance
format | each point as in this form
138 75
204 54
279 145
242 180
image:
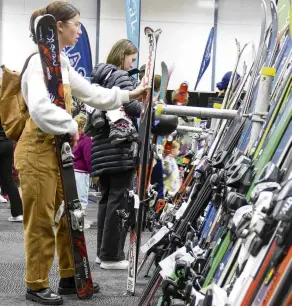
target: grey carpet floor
12 268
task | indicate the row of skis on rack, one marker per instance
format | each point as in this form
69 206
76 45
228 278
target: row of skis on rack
226 237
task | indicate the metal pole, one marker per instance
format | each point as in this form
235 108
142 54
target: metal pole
201 112
262 103
192 129
216 10
195 143
139 35
97 31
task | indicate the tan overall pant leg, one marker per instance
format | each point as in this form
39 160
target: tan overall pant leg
42 195
38 180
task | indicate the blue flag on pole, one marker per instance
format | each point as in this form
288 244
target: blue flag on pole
80 55
206 57
132 8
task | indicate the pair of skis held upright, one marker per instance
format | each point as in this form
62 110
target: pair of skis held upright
48 44
144 171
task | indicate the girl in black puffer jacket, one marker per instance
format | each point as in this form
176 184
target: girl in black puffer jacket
113 163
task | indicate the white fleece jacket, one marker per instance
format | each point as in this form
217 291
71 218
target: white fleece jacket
52 119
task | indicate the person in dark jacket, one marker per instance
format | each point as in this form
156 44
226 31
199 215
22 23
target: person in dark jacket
113 163
121 125
6 158
223 84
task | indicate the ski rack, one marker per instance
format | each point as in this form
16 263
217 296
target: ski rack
201 112
191 129
198 134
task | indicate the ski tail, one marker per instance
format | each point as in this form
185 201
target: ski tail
164 82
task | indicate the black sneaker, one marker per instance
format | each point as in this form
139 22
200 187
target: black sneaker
122 130
67 286
44 296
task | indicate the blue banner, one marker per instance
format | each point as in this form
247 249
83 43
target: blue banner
206 57
132 8
80 54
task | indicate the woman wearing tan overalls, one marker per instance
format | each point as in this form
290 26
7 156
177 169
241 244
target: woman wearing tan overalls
36 160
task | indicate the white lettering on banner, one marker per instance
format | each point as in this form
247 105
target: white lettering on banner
132 4
75 59
133 25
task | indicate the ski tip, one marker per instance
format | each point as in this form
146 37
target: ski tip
42 17
148 30
158 32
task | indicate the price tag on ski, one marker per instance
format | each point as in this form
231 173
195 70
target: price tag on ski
181 210
155 239
136 201
48 44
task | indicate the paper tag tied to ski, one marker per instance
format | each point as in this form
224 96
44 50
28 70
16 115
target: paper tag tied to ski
155 239
136 201
181 210
60 213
